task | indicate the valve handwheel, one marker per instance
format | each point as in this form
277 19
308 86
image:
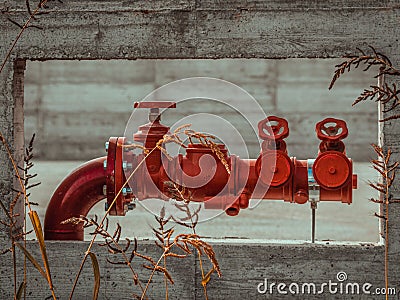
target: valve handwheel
331 133
149 134
155 104
273 128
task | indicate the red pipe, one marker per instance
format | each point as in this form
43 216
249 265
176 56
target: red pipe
75 196
273 175
233 209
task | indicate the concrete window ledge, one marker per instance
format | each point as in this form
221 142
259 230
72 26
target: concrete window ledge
244 266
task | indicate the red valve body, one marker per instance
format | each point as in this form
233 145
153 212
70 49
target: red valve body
273 175
288 179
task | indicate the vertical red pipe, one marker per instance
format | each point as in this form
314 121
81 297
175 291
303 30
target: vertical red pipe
75 196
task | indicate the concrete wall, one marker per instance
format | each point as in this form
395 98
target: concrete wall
201 29
74 107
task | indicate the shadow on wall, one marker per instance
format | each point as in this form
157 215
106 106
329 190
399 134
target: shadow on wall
75 106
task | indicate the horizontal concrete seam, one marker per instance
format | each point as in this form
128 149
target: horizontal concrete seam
110 11
245 9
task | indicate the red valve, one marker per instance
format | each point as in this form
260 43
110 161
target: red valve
331 131
333 170
273 128
149 134
274 167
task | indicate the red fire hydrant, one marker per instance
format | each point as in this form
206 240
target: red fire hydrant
219 180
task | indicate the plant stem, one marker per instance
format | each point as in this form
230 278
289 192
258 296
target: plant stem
386 235
24 27
101 224
165 260
26 200
154 270
381 80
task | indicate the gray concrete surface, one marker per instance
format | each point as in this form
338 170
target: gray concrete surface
67 102
203 29
269 220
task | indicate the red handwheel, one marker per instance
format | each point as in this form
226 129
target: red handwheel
331 130
273 128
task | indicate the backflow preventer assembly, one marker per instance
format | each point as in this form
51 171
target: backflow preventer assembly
229 186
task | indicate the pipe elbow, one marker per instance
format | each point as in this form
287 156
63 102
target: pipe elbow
74 197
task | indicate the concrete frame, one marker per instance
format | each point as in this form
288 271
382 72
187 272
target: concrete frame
200 29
